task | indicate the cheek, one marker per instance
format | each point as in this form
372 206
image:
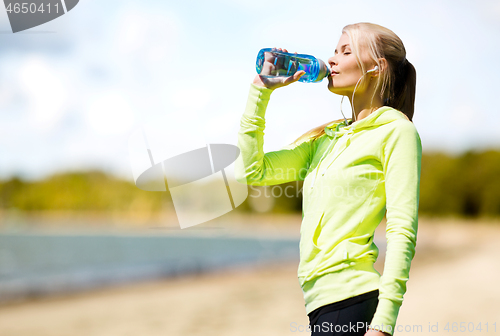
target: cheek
352 69
351 65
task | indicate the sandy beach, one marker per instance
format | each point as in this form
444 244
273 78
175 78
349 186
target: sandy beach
454 280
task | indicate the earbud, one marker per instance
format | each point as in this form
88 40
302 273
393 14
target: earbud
372 70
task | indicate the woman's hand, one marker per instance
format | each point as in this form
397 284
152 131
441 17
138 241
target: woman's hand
372 332
274 82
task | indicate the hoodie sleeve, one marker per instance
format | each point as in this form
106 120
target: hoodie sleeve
401 157
253 166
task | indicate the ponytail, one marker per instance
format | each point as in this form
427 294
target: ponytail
402 92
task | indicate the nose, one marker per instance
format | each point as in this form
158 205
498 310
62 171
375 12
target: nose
332 61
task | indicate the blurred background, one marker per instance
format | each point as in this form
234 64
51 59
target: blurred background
83 251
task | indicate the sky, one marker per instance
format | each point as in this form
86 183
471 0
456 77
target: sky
72 91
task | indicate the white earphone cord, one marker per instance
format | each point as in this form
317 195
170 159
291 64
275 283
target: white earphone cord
352 98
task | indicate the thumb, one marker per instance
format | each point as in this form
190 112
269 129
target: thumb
296 76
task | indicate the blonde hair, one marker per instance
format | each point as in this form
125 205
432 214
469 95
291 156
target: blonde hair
397 84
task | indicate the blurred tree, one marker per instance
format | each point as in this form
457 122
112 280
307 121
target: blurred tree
466 185
89 191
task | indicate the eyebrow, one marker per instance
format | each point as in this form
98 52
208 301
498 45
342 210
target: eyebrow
342 47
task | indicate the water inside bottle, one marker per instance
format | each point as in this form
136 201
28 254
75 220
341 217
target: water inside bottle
285 64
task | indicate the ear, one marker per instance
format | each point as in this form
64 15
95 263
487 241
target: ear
383 64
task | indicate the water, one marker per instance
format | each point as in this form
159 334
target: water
40 264
283 64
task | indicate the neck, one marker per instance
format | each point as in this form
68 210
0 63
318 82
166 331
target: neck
364 111
363 102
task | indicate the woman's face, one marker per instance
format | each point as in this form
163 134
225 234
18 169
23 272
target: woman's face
345 70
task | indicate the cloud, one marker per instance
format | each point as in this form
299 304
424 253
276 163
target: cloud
44 90
110 113
71 96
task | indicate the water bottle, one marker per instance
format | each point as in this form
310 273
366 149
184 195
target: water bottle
283 64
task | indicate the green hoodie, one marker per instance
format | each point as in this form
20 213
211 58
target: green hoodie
352 175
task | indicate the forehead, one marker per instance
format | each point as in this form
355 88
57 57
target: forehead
344 40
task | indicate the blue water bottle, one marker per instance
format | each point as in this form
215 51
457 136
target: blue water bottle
274 63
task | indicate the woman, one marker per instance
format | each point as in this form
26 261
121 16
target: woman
354 173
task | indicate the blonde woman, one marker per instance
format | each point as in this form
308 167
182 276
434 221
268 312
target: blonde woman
354 173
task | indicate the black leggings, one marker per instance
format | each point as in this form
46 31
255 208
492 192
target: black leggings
352 320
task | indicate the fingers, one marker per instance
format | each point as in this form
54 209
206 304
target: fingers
296 76
278 63
282 49
299 74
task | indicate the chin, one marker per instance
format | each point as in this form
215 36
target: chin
331 88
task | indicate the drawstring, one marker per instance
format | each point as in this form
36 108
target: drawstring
334 156
366 123
335 135
321 159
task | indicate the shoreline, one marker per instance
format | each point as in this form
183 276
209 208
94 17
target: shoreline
452 280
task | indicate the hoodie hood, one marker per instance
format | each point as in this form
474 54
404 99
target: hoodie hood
381 116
